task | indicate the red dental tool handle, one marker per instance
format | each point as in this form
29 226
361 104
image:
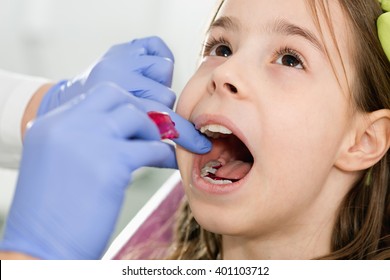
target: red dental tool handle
165 124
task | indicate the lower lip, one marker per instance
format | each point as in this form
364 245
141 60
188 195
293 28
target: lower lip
200 183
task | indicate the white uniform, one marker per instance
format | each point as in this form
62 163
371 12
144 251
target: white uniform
15 92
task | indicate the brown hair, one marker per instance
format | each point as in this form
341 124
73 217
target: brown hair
362 228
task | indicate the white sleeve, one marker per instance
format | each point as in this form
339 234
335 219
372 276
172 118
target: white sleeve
16 91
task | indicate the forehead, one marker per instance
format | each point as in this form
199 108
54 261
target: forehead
253 12
260 15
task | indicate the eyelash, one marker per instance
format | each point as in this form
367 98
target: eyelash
212 42
292 52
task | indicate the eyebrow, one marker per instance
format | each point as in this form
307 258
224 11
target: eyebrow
227 23
284 27
279 26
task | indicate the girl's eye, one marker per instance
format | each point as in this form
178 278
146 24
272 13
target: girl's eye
220 50
217 47
290 58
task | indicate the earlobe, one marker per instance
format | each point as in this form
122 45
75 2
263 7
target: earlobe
371 142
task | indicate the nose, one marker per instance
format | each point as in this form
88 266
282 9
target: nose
227 79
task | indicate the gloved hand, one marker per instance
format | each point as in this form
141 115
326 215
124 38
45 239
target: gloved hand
76 163
140 66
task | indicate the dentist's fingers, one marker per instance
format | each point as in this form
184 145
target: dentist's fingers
151 55
106 97
154 46
190 138
156 68
129 64
146 77
148 153
128 122
153 90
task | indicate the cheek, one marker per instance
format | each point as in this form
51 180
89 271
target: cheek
195 89
301 140
189 98
185 106
184 161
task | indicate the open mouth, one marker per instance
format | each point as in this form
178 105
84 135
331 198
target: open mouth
229 161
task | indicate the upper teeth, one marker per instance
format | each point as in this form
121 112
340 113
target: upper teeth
214 130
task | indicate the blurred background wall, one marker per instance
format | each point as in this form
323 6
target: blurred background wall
58 39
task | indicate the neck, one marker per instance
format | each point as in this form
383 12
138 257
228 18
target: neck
307 242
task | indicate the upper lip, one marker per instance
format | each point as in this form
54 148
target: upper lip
206 119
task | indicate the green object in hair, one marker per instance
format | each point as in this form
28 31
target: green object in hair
385 5
383 24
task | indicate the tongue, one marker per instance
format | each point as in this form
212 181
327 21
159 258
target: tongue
234 170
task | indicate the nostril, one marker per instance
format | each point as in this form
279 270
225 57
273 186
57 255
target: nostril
231 88
214 86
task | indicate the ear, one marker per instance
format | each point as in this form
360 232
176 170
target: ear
370 142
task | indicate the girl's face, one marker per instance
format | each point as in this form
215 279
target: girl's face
267 92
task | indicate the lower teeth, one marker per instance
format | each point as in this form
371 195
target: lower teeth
217 182
209 170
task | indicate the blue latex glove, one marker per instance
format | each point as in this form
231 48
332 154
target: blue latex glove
76 164
141 66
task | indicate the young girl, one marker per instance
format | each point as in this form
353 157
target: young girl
295 97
